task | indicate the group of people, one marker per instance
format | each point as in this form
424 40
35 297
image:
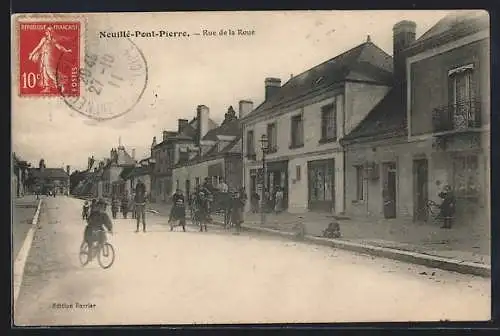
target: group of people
204 201
273 202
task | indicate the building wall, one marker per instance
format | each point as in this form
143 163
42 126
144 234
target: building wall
428 78
233 171
440 173
400 152
14 185
353 103
191 172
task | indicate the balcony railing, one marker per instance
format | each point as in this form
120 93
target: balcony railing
455 117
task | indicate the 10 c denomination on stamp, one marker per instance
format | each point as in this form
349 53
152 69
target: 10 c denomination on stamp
41 46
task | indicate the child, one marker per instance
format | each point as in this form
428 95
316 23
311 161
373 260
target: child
96 223
332 231
85 210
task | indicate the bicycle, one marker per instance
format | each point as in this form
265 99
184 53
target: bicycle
430 209
101 249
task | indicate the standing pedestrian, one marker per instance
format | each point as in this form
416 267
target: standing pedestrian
125 205
115 206
278 204
447 211
140 204
131 204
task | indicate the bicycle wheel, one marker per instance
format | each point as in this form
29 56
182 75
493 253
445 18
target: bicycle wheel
106 255
84 253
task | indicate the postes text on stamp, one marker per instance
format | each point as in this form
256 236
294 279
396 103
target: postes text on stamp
41 45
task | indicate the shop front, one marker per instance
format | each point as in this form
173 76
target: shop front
321 185
277 177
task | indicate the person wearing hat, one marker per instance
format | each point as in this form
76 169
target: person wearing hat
447 208
96 223
140 205
178 210
85 210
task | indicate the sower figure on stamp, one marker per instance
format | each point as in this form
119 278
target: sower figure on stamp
140 204
44 54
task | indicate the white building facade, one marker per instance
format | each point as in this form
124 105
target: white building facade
304 120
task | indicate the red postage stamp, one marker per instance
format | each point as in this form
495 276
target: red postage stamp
49 58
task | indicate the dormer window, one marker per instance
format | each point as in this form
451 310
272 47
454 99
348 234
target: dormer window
319 80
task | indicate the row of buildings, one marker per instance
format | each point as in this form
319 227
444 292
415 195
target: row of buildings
364 133
26 179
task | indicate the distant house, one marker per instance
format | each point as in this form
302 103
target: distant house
216 156
19 176
50 179
174 148
118 160
131 175
303 121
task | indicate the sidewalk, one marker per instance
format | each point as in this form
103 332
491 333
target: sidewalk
23 210
466 245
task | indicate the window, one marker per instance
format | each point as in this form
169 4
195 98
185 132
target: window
466 176
197 182
272 137
250 144
328 123
461 97
297 131
177 184
359 183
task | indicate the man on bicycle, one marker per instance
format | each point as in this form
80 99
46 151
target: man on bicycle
96 222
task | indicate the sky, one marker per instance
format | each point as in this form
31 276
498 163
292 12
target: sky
186 72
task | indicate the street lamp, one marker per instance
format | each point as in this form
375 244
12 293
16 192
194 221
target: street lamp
264 145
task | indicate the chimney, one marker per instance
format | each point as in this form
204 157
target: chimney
182 123
154 142
244 108
133 154
165 133
202 113
67 170
403 36
272 86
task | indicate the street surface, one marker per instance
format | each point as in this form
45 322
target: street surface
163 277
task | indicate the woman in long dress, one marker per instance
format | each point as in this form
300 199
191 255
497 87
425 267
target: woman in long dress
43 53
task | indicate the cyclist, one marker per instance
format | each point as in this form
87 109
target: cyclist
96 223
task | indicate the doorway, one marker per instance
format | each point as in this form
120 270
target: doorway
420 189
321 185
389 191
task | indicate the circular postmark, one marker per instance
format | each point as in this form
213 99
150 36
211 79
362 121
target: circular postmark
112 77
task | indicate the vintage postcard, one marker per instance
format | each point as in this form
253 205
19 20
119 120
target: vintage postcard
250 167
